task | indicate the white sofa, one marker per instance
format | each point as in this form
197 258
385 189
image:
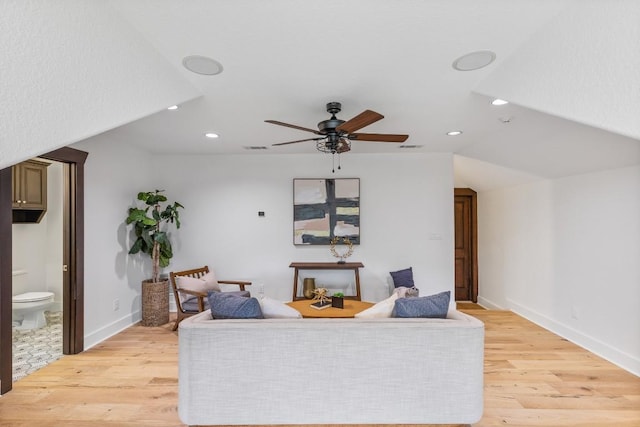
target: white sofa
331 371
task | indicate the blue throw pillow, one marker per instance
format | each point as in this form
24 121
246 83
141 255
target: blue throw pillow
433 306
225 305
403 278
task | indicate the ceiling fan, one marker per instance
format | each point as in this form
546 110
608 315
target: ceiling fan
335 135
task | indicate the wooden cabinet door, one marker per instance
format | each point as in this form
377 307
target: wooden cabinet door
30 185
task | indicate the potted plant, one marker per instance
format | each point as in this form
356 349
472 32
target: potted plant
150 225
337 300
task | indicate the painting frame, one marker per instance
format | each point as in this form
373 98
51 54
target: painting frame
324 208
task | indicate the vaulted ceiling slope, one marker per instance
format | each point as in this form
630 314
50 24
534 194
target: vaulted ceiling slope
568 68
73 69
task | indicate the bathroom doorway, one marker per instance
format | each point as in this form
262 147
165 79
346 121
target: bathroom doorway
37 265
73 259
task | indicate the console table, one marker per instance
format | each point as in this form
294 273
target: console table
355 266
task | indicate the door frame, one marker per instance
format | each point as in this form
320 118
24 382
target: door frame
468 192
73 235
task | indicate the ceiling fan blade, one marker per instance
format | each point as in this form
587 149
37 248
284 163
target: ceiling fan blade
275 122
361 120
378 137
299 140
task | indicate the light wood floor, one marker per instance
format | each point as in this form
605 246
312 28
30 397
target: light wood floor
532 378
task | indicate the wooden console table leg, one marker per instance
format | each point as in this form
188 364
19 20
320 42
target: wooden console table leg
358 296
295 284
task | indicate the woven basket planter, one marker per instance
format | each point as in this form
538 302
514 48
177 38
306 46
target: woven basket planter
155 303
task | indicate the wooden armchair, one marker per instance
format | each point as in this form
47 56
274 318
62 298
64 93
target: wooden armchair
190 302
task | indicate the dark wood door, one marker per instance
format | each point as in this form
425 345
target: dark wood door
466 266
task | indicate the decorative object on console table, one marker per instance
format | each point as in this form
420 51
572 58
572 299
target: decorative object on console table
153 240
326 208
345 254
337 300
308 286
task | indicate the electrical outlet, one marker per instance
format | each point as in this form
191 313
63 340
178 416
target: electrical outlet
116 304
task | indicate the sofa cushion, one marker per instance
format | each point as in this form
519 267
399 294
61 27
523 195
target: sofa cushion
403 278
274 309
225 305
433 306
381 309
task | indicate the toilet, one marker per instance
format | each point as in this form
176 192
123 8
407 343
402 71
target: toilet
30 307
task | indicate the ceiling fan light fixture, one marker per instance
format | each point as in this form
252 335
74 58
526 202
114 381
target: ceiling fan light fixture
202 65
474 60
499 102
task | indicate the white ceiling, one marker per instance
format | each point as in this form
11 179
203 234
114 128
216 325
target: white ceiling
285 59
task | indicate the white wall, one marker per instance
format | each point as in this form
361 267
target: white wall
564 253
114 173
405 199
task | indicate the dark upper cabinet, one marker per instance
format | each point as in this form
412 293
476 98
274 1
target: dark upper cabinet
29 191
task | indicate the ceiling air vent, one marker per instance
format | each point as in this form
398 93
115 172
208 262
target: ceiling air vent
255 147
410 146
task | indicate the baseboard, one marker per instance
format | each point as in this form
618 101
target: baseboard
489 305
613 355
111 329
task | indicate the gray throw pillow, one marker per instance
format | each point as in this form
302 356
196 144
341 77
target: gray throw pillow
224 305
402 278
433 306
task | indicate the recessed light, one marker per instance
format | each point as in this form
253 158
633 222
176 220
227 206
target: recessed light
202 65
474 60
211 135
498 101
173 107
454 133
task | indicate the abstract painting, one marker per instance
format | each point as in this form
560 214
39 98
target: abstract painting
324 209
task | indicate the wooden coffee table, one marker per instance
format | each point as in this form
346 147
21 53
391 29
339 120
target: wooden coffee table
351 308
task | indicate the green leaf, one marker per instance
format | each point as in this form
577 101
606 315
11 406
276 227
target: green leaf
137 245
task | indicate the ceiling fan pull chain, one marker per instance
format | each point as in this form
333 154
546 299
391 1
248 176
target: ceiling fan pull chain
333 162
339 167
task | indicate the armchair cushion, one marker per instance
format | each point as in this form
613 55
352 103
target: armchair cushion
225 305
204 284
